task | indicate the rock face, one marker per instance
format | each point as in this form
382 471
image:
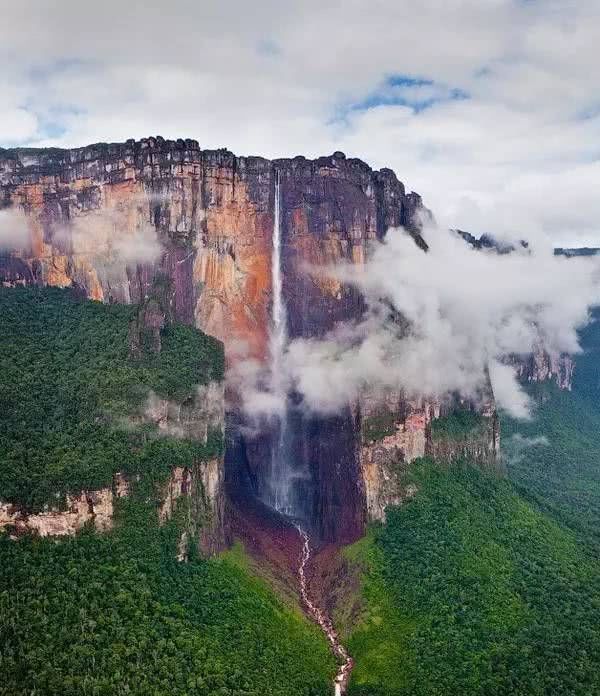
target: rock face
540 366
392 434
88 507
194 419
395 430
189 232
125 221
202 486
481 445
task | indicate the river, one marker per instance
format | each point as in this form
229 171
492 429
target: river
323 620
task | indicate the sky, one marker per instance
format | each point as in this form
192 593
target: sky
490 109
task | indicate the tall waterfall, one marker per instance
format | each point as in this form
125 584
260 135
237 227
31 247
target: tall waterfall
280 494
289 473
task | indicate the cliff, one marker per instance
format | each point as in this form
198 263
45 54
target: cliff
540 366
188 233
397 430
94 214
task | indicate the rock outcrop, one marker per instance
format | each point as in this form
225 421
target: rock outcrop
541 367
201 485
87 507
395 430
393 433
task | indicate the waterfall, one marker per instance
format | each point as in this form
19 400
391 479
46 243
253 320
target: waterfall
289 474
280 494
278 337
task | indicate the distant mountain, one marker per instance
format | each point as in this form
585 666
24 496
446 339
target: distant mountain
576 251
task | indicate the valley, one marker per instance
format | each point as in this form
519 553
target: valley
177 517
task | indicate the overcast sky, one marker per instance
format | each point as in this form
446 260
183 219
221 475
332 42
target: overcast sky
488 108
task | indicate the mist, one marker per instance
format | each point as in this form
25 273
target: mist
439 322
14 231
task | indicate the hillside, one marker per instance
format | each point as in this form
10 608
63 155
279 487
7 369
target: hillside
554 457
469 589
67 385
489 585
116 613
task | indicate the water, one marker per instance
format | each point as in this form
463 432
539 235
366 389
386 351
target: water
287 481
288 476
323 620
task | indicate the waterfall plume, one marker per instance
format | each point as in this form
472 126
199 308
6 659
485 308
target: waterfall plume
280 484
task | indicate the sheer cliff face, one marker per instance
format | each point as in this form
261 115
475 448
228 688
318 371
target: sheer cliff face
540 366
95 212
192 229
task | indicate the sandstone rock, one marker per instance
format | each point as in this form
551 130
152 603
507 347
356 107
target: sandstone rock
212 213
88 507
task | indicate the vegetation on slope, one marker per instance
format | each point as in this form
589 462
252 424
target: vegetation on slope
554 458
378 426
66 384
481 585
468 589
117 614
459 424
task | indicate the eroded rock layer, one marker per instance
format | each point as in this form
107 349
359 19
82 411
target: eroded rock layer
191 230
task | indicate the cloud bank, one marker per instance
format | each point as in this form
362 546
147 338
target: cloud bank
440 322
14 231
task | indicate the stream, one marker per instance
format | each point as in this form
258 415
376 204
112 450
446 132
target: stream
345 661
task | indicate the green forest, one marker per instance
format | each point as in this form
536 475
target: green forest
115 613
554 457
483 583
105 614
490 584
470 589
67 384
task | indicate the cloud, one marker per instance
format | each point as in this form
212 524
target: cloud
517 447
522 441
115 236
141 246
194 419
508 393
520 150
14 231
442 321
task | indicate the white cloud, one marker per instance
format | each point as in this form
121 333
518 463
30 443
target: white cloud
507 391
523 149
465 312
18 125
141 246
516 447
